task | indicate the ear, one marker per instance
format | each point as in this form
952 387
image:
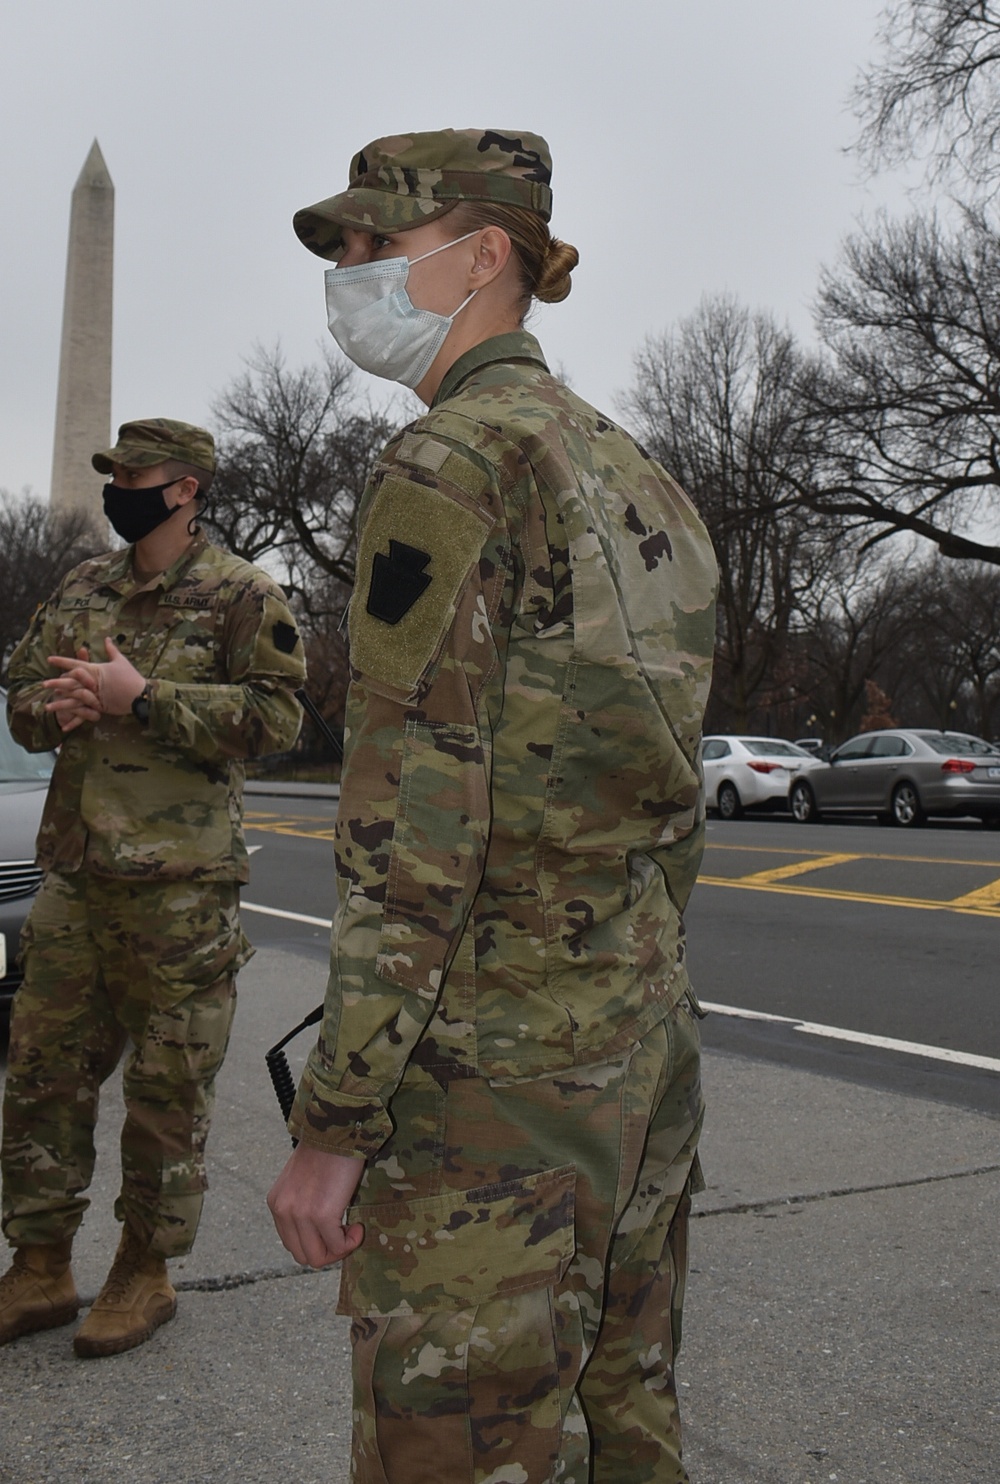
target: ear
492 257
186 491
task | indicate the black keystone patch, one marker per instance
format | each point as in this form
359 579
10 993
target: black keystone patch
397 581
284 636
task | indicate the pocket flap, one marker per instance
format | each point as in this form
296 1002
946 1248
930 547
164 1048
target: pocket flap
456 1250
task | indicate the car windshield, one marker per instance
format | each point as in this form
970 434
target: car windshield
18 766
764 747
950 743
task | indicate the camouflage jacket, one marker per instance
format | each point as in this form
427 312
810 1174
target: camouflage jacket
215 638
521 816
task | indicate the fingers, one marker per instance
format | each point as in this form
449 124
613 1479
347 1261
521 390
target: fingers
72 704
73 667
314 1247
85 704
71 718
354 1235
307 1203
73 683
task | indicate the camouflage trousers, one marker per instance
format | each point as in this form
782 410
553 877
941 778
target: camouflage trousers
111 963
480 1364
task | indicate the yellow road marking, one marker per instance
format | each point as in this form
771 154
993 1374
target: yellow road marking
745 883
280 826
920 860
986 896
797 868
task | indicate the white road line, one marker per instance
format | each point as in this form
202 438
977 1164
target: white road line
292 916
859 1038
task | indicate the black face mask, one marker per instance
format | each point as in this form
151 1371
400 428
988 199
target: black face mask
133 513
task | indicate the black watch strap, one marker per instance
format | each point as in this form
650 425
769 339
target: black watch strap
140 706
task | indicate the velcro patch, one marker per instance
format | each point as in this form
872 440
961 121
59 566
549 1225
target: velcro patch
411 602
397 581
425 452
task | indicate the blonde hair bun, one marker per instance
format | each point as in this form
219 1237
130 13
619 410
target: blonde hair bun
554 282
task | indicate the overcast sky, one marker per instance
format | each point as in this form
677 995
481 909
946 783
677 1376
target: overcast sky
697 148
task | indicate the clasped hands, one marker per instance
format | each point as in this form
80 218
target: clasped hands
86 691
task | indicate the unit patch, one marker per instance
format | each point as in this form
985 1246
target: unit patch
284 636
418 547
397 581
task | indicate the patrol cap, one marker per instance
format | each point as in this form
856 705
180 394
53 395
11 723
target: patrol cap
153 440
405 180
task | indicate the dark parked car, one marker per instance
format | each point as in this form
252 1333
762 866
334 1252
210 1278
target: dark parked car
903 776
24 779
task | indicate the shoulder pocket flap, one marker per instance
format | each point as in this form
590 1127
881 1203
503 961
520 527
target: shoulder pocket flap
460 1249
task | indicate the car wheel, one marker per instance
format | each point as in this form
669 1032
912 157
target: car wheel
802 802
907 809
728 802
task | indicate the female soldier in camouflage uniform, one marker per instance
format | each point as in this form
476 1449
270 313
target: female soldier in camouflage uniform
508 1071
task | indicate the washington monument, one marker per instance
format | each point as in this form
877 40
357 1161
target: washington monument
83 406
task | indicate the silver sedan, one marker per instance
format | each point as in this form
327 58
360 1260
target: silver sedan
903 776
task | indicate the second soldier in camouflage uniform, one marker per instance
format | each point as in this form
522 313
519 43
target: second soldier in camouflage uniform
134 938
510 1050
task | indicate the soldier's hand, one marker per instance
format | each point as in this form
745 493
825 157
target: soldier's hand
307 1203
113 685
76 700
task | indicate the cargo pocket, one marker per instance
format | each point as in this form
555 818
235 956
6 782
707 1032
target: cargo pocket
205 948
460 1249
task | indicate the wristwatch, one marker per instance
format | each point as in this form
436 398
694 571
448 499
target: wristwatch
140 706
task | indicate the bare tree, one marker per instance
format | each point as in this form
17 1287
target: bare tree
963 617
906 414
851 622
935 93
718 402
295 452
38 546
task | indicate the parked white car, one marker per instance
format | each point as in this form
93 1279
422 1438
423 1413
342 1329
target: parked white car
751 772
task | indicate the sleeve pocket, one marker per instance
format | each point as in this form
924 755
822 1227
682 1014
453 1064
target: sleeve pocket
437 854
460 1249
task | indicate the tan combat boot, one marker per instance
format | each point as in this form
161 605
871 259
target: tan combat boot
136 1299
37 1291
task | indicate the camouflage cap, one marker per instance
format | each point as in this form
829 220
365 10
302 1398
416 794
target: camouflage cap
408 179
153 440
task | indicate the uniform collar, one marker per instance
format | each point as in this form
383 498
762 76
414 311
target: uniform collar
122 580
517 346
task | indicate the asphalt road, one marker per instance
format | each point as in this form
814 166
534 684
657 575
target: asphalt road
880 935
839 1317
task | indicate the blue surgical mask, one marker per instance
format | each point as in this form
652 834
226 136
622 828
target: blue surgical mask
376 324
